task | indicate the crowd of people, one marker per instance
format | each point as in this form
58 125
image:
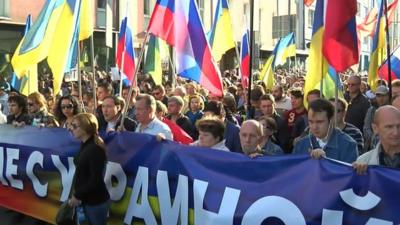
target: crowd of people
361 128
186 113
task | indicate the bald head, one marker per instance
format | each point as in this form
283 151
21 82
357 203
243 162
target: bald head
250 135
386 112
252 124
387 126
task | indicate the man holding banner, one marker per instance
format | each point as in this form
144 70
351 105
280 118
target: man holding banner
387 125
324 139
148 122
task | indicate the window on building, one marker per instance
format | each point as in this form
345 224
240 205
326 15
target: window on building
281 25
101 4
147 11
4 8
365 40
200 5
146 7
310 18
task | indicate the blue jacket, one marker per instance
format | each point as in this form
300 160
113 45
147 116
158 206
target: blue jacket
272 149
232 139
340 146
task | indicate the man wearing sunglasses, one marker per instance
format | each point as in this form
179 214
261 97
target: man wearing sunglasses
324 140
358 103
348 128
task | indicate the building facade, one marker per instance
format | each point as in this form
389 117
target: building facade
272 19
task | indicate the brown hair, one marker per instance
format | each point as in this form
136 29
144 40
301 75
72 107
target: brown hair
88 123
212 125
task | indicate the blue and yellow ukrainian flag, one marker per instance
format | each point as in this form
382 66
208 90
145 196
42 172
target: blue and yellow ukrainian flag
267 73
285 48
51 37
29 82
378 47
221 35
318 67
317 64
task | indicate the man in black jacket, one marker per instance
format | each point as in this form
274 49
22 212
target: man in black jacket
358 103
111 108
175 106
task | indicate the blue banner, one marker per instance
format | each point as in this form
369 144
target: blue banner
153 182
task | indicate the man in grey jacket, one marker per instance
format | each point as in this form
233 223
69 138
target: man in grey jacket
386 125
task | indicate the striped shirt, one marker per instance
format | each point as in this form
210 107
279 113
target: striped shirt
356 134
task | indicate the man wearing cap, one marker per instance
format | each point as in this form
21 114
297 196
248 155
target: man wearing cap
382 98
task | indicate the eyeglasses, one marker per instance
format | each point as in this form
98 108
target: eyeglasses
69 106
30 104
354 84
74 126
339 110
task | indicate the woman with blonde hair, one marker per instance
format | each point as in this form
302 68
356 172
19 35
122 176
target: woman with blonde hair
89 189
37 108
196 106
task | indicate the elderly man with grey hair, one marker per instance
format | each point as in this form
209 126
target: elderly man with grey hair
175 108
251 134
146 116
386 125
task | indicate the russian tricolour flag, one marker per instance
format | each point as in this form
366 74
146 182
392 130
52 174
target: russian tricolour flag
125 58
395 66
178 23
245 59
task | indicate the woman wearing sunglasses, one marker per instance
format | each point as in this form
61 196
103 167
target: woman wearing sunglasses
89 190
37 108
67 107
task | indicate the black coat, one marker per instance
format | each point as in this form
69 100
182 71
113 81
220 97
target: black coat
89 186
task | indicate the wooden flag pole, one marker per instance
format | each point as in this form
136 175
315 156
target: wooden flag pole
93 71
249 111
388 52
134 83
78 58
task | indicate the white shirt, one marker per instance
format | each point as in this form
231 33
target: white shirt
155 127
285 104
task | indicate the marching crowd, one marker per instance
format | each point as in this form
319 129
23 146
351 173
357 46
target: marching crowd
362 127
280 121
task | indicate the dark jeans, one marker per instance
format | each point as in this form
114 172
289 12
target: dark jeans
97 214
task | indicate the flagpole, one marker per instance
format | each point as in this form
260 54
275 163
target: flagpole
78 71
173 68
251 59
336 96
388 51
135 77
78 59
107 57
173 59
93 71
321 88
121 72
29 81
